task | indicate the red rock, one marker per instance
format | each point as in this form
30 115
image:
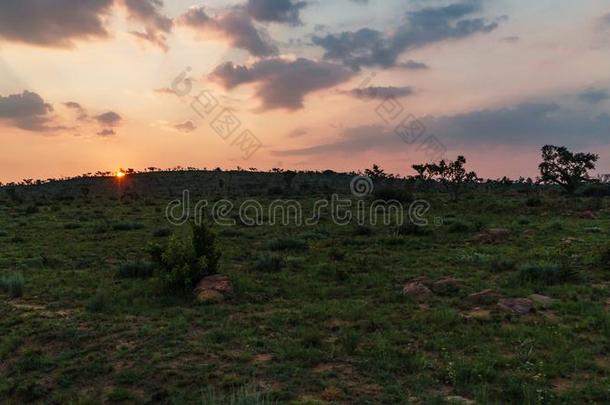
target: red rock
587 215
214 288
517 306
484 297
416 290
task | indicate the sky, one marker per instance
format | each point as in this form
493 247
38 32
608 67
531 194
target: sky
96 85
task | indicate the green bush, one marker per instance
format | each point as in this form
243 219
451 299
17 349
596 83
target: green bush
162 232
99 302
533 202
280 244
137 269
127 226
393 194
605 258
460 226
184 262
12 285
501 264
411 229
547 274
363 230
270 263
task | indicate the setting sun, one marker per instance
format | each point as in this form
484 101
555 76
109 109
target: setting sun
120 174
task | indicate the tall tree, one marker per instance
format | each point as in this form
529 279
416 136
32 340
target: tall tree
564 168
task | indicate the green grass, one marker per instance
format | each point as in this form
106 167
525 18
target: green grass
318 315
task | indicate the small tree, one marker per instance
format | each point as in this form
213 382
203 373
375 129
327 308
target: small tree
376 173
184 262
452 175
564 168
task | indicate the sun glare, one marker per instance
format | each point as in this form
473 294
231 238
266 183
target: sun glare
120 174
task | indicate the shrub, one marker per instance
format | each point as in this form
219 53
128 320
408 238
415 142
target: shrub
72 225
138 269
242 396
460 226
275 191
363 230
161 232
547 274
3 233
127 226
502 264
410 228
280 244
269 263
595 190
396 194
337 255
533 202
12 285
99 302
31 209
184 262
605 258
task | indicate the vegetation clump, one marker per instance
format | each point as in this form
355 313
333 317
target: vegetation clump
184 262
12 285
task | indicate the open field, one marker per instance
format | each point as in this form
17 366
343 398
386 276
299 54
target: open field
318 313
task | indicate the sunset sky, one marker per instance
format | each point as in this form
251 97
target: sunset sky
91 85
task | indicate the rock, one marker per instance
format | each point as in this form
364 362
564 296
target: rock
478 313
500 233
416 290
542 300
422 280
446 285
570 240
455 399
484 297
214 288
587 215
494 235
517 306
331 394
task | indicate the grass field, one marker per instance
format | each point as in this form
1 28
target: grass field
318 314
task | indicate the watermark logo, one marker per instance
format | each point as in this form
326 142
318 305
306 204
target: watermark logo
285 212
224 122
361 186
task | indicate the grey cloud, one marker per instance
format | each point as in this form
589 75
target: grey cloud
27 111
106 132
52 23
381 93
109 118
532 124
414 65
156 25
368 47
281 83
80 111
594 96
235 25
186 126
281 11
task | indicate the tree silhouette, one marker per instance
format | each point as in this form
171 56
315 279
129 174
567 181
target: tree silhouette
564 168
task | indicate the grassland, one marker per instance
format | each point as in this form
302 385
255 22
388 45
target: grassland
318 314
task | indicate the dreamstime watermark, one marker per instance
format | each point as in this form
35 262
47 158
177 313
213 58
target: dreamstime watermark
225 123
286 212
